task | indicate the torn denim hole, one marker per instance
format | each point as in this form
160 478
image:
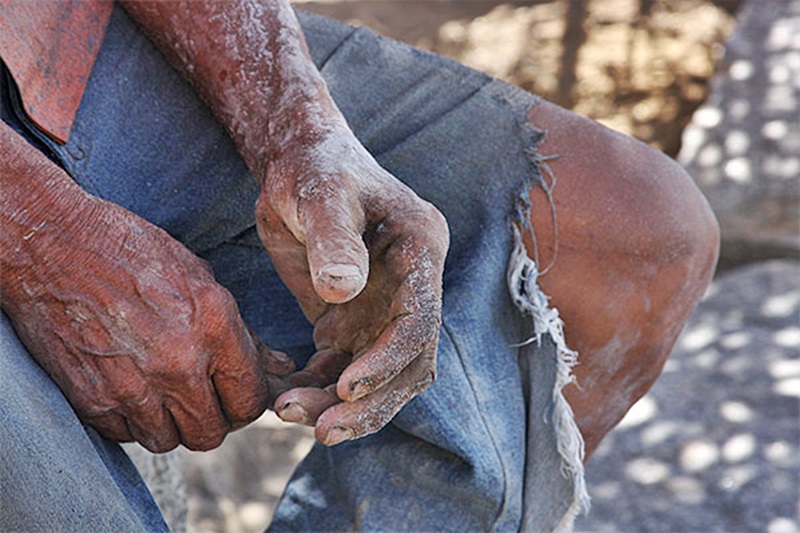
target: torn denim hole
522 276
522 279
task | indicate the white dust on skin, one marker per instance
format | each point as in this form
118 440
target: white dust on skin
275 100
277 96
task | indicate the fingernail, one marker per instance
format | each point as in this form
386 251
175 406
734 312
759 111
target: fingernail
282 358
360 388
340 271
280 355
337 435
293 412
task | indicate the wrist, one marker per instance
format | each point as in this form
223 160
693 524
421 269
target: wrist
35 191
317 158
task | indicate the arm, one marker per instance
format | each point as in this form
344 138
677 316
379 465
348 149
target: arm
129 323
360 251
249 62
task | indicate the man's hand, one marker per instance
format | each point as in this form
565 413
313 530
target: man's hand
131 325
361 252
364 256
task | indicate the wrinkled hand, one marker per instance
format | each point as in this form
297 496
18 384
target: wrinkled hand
364 256
143 342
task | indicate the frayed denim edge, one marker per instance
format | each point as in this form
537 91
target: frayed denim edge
522 275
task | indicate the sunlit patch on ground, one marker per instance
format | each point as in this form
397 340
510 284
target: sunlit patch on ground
714 446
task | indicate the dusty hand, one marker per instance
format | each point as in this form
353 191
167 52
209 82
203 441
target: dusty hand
364 256
143 342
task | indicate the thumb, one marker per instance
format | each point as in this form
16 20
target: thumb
338 260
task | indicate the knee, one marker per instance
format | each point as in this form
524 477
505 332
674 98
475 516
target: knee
668 222
637 247
620 200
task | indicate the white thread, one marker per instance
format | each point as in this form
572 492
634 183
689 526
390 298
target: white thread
522 277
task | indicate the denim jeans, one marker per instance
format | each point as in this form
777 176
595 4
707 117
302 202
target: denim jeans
490 446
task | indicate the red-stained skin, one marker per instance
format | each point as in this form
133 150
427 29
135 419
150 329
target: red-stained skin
148 347
129 323
88 278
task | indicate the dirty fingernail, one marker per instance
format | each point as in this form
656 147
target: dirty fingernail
339 271
293 412
280 356
338 283
338 434
360 388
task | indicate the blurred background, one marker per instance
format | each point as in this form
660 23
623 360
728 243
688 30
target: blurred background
639 66
712 83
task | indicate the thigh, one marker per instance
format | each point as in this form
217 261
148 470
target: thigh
57 474
457 137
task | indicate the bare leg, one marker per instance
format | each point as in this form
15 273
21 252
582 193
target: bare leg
637 247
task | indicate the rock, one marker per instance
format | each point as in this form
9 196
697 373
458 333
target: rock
163 474
714 445
233 488
236 487
743 145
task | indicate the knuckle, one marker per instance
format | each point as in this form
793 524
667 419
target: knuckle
242 413
91 408
309 192
132 392
205 442
434 215
263 209
218 311
426 370
152 431
160 443
266 218
426 381
429 362
437 224
212 296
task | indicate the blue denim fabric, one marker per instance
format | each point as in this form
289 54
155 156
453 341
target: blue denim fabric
456 457
55 473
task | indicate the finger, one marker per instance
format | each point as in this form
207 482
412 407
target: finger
243 395
304 405
417 310
152 426
323 369
314 387
337 257
402 342
112 426
290 259
275 362
238 377
352 420
201 424
417 261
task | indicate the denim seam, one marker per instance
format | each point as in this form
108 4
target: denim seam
347 38
503 506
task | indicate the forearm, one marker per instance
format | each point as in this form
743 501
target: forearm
39 206
249 61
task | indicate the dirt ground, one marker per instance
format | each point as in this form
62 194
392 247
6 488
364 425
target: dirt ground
640 66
